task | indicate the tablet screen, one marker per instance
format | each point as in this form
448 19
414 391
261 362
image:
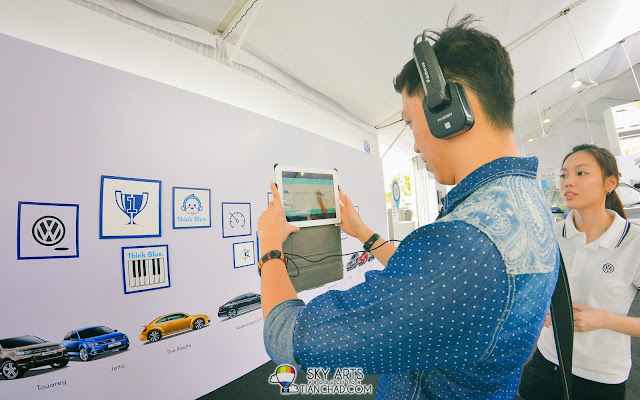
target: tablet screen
308 196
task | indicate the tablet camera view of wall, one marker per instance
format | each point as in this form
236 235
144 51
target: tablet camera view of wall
308 196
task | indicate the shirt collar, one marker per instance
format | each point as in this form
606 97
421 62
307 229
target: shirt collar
610 239
500 167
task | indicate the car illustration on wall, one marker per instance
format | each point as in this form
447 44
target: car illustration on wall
19 354
240 304
357 261
170 324
87 343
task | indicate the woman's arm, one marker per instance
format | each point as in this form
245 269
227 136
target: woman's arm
589 319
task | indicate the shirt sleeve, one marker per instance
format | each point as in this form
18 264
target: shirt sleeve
438 302
278 332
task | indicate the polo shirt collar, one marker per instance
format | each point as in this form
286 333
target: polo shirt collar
612 236
525 166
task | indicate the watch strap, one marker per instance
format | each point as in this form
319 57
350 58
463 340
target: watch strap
369 243
269 255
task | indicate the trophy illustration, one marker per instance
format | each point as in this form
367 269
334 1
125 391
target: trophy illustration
131 204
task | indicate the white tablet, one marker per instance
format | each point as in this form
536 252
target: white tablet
309 195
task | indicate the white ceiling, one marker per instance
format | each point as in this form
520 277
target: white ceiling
351 50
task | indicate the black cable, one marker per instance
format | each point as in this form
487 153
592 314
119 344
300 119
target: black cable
538 31
392 123
289 255
237 22
297 269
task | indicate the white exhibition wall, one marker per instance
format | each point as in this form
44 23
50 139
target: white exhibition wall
72 129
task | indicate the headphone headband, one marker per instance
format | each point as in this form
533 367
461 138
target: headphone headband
445 105
430 73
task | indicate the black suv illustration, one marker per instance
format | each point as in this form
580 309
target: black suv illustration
240 304
19 354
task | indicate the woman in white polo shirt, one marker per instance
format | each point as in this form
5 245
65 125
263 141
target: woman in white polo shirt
600 251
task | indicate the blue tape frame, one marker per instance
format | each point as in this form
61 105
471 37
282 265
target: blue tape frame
223 220
124 269
234 254
173 208
77 206
103 177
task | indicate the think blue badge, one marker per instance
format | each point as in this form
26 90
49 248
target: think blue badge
191 208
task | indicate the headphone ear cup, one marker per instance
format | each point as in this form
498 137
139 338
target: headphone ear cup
453 119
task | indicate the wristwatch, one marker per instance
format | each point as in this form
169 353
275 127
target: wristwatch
369 243
270 255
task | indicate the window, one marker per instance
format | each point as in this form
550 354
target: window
20 341
92 332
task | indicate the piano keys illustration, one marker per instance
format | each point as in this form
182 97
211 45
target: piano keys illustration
146 272
145 268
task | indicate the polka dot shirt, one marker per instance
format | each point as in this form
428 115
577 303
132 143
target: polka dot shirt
447 318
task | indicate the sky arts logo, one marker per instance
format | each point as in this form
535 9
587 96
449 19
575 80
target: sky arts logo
284 376
343 381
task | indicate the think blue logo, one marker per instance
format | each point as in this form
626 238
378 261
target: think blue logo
192 205
607 268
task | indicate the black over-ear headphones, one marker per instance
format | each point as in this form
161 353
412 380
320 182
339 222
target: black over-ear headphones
445 105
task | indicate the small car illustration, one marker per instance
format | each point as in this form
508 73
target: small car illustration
172 323
240 304
19 354
87 343
357 261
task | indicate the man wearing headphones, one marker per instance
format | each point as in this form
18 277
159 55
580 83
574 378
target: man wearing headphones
461 301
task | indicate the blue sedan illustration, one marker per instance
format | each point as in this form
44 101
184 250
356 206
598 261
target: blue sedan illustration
87 343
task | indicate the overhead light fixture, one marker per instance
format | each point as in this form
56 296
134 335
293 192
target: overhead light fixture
530 138
591 83
546 119
544 134
576 83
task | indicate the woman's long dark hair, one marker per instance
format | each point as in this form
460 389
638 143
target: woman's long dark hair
609 167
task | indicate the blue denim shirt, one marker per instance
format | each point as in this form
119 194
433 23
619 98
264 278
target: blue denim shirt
458 308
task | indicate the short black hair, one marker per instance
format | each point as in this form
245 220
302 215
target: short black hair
475 59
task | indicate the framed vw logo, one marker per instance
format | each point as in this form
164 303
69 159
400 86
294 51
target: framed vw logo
47 230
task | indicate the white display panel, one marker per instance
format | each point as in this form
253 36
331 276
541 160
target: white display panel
95 121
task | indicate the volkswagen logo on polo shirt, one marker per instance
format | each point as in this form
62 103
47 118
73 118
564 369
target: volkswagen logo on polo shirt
607 268
49 231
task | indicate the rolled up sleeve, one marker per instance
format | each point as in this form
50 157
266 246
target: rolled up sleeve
278 332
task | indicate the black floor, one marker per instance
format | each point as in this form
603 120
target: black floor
254 385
